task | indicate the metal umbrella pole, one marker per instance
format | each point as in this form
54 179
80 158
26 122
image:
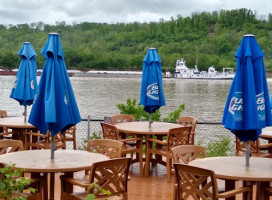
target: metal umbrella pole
25 113
150 121
52 146
248 154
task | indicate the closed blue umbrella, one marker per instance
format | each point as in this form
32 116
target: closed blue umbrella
152 97
247 109
25 85
55 108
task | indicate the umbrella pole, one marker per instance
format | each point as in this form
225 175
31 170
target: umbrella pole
52 146
150 121
247 153
25 113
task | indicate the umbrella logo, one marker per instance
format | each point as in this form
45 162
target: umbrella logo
153 91
66 97
260 106
15 83
32 84
36 96
236 106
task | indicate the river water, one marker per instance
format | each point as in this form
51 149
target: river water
98 96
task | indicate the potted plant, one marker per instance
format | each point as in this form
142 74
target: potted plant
11 181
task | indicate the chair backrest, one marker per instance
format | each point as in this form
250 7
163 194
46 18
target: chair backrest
186 153
109 131
195 183
189 121
3 114
111 175
178 136
71 131
8 146
115 119
108 147
241 148
40 141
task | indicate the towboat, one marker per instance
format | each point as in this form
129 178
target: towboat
182 71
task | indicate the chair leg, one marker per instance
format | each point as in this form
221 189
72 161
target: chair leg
147 159
175 196
141 163
168 169
74 143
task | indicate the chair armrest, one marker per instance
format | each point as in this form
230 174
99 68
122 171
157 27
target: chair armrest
7 133
35 134
266 146
156 141
131 139
234 192
74 182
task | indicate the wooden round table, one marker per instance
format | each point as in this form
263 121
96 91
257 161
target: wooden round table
66 161
234 168
267 134
142 128
17 124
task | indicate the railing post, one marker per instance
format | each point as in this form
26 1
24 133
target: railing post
89 121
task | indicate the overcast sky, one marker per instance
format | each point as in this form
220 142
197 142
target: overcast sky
113 11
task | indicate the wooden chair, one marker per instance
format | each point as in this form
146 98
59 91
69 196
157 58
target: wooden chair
31 196
189 121
175 137
3 114
110 132
9 146
5 133
115 119
108 147
198 183
256 149
70 135
265 191
35 140
111 175
185 154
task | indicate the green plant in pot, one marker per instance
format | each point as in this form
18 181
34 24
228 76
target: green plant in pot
11 181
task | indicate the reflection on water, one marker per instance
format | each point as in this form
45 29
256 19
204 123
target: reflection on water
99 96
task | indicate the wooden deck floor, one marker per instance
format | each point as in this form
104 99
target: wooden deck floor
154 187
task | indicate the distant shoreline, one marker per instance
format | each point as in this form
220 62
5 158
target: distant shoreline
95 73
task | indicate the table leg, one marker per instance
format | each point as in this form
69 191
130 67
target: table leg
229 185
260 192
69 187
270 149
18 136
52 186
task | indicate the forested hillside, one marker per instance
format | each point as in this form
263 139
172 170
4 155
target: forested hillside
209 38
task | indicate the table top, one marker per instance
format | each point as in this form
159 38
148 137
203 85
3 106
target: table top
157 128
64 161
234 168
15 122
266 133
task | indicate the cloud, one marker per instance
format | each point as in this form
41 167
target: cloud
113 11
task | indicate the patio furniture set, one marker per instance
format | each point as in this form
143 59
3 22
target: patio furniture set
105 164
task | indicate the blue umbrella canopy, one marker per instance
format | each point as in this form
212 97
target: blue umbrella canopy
152 97
247 109
25 86
55 106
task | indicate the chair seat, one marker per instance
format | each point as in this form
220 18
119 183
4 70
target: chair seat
82 195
